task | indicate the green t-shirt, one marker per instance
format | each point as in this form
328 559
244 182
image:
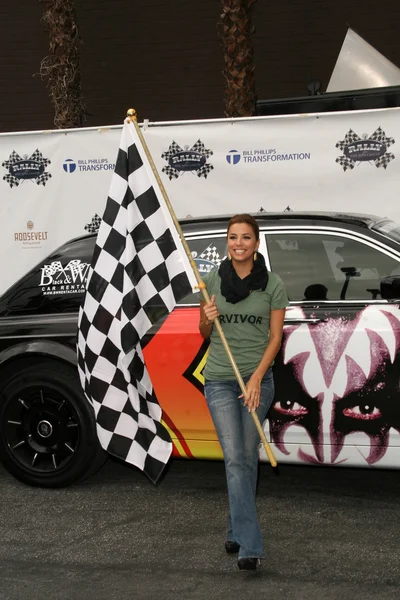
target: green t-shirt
245 324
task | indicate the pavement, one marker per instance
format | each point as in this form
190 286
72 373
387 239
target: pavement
330 534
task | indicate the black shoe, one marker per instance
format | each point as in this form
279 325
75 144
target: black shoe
248 564
232 547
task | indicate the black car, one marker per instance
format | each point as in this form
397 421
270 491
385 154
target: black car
337 375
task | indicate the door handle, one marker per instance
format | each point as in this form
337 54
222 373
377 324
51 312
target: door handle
294 321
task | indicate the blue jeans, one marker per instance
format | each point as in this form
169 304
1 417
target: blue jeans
239 439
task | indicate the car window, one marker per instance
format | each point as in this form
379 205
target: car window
328 267
208 252
55 285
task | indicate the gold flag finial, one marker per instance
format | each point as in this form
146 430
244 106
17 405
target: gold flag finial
131 114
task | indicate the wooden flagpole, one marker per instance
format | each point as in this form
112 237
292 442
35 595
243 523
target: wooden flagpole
132 116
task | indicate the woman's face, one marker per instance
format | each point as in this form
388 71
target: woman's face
242 243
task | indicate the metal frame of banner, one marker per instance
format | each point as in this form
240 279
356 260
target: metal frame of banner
132 116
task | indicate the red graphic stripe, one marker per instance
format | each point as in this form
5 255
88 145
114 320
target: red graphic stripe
178 434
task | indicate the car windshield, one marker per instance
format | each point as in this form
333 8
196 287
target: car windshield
389 228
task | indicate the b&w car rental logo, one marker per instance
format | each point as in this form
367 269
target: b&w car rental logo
21 168
57 279
181 160
372 149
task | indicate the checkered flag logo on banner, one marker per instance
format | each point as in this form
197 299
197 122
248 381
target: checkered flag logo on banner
185 160
32 167
138 273
375 152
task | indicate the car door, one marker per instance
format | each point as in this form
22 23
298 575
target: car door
176 357
336 377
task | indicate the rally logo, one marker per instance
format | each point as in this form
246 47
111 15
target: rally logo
93 226
183 160
372 149
58 280
21 168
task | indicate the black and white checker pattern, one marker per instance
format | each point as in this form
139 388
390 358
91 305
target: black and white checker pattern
345 162
204 170
171 172
93 226
211 254
43 178
173 149
350 137
14 157
138 274
381 136
38 157
384 160
11 180
201 149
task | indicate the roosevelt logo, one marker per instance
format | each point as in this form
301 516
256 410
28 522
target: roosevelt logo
22 168
183 160
372 149
57 279
30 238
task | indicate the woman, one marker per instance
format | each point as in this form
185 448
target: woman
250 303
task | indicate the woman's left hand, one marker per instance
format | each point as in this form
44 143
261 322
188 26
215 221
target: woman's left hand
253 393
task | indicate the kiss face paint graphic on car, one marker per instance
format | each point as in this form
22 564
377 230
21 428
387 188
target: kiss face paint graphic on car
341 378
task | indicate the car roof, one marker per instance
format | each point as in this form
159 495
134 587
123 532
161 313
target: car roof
267 218
288 216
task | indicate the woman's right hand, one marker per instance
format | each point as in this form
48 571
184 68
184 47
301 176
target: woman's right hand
210 310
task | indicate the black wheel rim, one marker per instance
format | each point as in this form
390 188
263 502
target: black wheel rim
41 429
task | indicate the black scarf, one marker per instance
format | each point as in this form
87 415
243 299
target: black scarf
235 289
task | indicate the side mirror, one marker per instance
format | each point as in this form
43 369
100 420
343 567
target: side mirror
390 288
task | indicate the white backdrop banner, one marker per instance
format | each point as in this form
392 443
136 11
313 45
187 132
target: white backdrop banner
54 183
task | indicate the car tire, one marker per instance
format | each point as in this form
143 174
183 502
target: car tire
47 427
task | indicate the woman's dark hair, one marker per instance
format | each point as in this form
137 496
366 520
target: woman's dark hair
245 218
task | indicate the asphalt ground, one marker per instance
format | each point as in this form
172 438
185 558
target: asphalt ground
330 534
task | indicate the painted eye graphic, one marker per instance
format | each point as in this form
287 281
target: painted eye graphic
290 407
365 412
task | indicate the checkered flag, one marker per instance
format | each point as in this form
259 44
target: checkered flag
173 149
138 273
171 172
43 178
205 170
349 138
53 268
11 180
381 136
211 254
38 157
14 157
93 226
200 147
345 162
384 160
